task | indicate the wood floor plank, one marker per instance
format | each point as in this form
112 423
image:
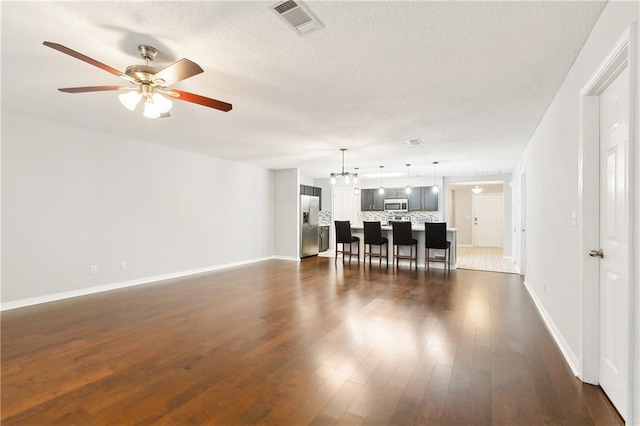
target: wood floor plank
286 343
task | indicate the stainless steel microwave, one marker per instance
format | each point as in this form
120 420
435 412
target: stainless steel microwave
396 205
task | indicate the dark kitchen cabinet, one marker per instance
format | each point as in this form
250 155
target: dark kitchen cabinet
371 200
366 200
392 193
415 199
429 199
324 238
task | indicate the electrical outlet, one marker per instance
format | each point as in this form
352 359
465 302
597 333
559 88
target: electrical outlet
123 265
94 269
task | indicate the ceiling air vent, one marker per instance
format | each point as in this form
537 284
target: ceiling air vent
414 142
297 16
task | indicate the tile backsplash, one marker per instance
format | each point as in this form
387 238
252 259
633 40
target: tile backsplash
325 217
386 216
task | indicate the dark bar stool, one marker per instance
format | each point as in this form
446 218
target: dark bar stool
343 236
435 238
373 236
402 237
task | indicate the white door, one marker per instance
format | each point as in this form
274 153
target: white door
343 204
487 220
614 242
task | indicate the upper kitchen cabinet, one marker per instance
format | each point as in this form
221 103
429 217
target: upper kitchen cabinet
391 193
415 199
429 199
371 200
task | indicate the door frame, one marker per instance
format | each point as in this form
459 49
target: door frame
621 56
522 229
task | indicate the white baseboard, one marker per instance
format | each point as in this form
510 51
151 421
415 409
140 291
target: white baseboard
114 286
568 354
291 258
464 245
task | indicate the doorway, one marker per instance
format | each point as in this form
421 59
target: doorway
476 210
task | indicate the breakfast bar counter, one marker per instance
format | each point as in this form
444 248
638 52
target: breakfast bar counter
418 233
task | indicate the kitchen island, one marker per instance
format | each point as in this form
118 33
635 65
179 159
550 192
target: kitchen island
418 233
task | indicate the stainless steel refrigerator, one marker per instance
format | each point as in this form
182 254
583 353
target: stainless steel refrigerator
309 232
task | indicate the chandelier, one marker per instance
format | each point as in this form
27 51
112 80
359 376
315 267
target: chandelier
345 175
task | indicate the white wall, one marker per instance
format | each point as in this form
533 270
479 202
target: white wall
325 185
73 198
286 222
551 164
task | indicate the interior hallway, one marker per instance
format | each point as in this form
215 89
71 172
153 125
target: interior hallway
484 259
282 342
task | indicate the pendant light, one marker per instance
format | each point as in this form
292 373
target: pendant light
345 175
381 189
476 190
356 190
407 189
435 181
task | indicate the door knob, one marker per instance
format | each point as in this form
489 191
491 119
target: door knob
597 253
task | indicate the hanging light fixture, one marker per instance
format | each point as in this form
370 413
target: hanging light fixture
407 189
345 175
476 190
154 103
381 189
435 181
356 190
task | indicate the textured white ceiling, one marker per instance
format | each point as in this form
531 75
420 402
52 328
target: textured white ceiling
470 79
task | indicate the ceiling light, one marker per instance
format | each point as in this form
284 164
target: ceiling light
407 189
476 190
381 189
151 110
164 105
414 142
130 99
435 181
346 176
356 190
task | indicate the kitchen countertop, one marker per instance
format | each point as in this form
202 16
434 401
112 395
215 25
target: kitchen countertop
417 228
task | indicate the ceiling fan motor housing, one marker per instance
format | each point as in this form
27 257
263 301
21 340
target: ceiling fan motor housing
147 52
142 73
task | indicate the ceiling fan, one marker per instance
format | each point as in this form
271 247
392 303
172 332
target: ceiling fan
147 82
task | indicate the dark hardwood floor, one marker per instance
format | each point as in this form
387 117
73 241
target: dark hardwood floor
285 343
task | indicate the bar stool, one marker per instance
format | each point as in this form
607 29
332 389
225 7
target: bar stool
402 237
435 238
373 236
343 236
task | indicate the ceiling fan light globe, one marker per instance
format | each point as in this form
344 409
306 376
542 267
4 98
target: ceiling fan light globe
130 100
150 110
162 104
